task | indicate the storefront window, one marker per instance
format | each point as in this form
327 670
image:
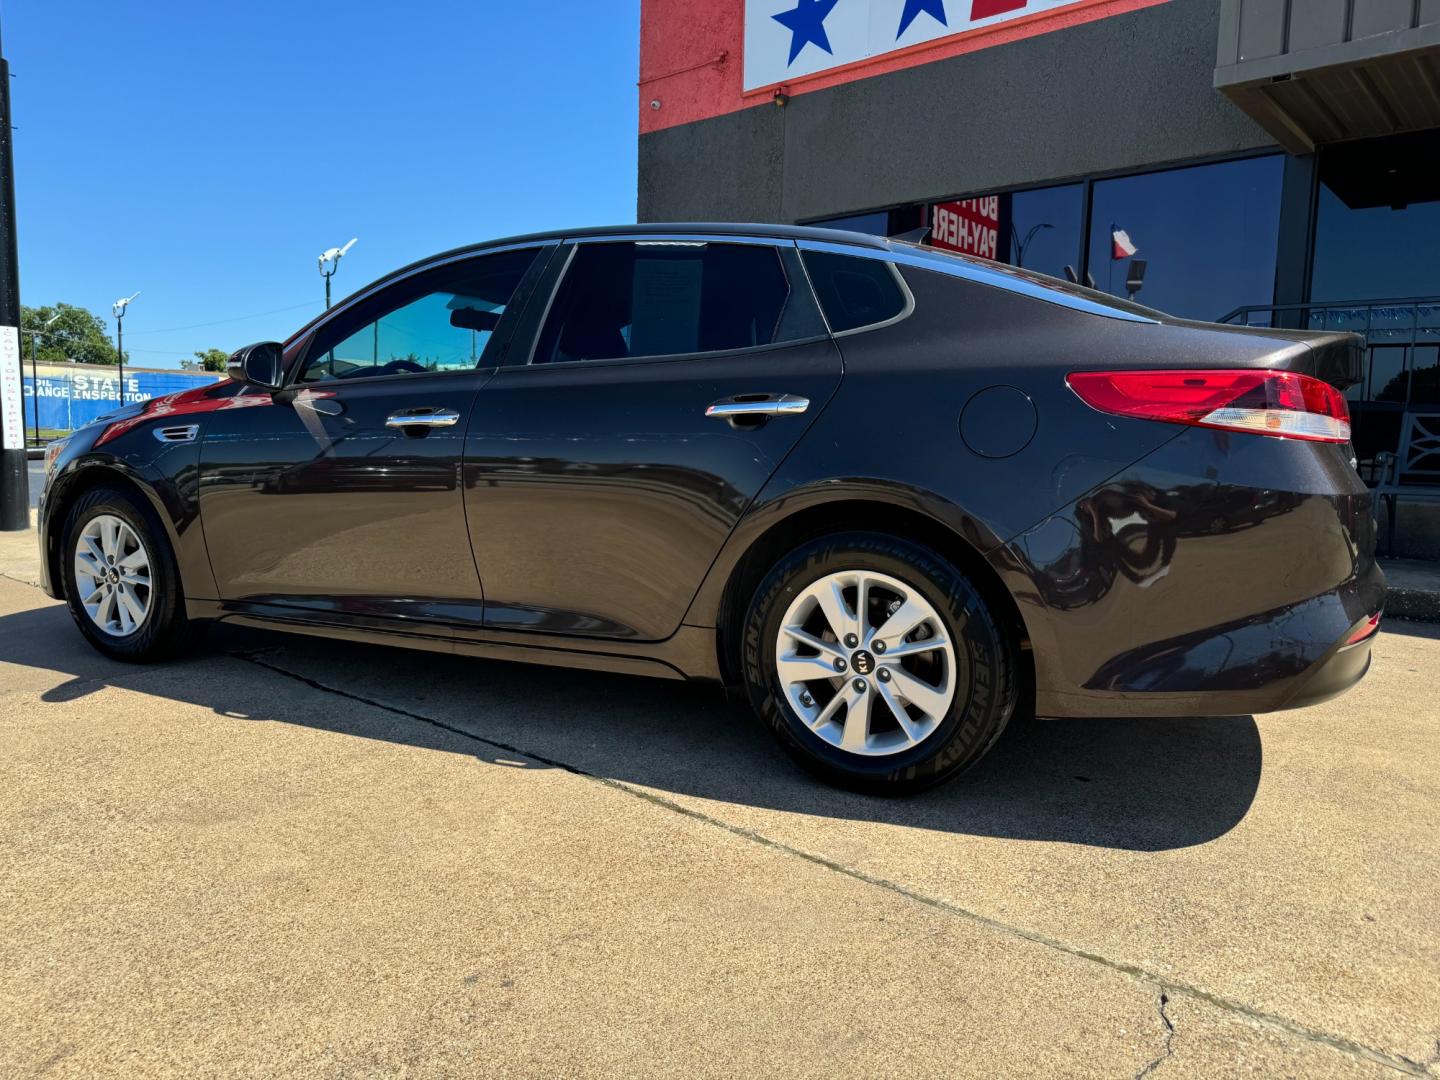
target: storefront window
1377 226
897 222
877 224
1207 235
1044 228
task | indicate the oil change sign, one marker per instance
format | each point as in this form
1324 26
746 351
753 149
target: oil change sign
12 389
787 39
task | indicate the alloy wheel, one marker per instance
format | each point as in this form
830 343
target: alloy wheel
112 575
866 662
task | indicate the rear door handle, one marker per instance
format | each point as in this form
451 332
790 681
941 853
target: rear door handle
423 418
758 405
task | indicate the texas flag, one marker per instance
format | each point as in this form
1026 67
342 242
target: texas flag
1124 246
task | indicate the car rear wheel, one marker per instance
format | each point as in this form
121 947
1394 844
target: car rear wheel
121 583
878 664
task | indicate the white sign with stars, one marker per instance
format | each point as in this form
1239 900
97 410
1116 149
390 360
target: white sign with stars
786 39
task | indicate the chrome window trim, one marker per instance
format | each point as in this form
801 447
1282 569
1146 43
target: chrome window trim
679 238
839 249
967 271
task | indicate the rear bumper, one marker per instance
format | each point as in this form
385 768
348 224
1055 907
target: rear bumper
1220 576
1332 676
1285 660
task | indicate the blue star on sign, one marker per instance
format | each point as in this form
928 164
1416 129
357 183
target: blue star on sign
806 23
913 8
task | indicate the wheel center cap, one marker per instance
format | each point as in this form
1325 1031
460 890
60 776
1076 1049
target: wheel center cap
862 662
112 577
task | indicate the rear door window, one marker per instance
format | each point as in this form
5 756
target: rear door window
854 292
666 298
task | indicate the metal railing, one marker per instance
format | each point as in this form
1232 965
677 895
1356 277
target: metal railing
1401 367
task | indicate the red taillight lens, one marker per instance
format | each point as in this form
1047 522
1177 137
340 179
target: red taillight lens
1368 628
1281 403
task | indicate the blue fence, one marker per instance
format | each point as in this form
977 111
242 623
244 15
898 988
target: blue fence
72 395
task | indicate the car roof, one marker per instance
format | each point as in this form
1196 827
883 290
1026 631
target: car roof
556 236
1034 285
667 228
692 228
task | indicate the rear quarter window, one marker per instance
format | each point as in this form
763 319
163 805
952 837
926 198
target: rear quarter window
854 292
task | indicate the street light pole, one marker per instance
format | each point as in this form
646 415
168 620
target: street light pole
329 263
14 469
35 336
1021 245
119 308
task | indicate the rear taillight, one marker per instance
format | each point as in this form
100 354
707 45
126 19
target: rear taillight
1367 629
1281 403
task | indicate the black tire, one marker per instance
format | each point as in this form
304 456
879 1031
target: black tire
989 677
165 631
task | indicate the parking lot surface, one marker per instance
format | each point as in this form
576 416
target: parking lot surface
289 855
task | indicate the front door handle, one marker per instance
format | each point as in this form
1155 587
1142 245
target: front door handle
758 405
423 418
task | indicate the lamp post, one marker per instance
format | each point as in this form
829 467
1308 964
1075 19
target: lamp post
1021 245
14 469
329 263
35 336
119 308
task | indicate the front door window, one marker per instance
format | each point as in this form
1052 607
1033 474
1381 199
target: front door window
443 320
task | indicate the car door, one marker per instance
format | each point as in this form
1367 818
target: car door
340 495
667 379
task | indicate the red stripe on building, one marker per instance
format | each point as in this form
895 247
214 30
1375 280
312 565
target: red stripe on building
691 54
983 9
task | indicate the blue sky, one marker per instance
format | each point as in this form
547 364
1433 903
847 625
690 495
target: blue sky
206 153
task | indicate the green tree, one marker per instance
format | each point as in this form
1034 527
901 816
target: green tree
212 359
77 334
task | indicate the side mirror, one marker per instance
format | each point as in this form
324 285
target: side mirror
261 365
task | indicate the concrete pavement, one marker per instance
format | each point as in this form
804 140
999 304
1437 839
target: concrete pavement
284 855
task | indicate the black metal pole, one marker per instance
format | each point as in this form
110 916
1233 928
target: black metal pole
14 469
120 350
35 381
327 289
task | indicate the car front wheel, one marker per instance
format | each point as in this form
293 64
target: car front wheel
878 664
121 583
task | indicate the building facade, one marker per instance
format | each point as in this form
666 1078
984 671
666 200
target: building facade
1275 162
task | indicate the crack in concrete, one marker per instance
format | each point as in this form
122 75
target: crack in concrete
1169 1048
1167 985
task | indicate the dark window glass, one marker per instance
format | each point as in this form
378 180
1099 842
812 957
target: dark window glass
876 224
897 222
1043 229
854 292
1377 227
1207 234
1425 376
440 320
660 298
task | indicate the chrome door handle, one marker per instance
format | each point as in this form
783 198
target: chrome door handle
423 418
759 405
